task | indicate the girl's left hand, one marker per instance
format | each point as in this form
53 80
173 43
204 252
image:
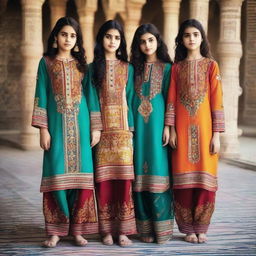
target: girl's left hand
95 137
166 135
215 143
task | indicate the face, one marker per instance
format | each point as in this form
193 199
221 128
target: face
148 44
192 38
66 38
111 40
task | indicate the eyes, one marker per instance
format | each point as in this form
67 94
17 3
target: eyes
195 34
64 34
113 37
149 40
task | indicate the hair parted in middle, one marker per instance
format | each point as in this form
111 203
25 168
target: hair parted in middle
99 60
181 51
80 55
138 57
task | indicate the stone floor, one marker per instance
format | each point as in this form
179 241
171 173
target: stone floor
232 232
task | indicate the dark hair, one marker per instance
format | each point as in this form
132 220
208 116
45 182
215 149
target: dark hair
80 55
180 50
138 57
99 60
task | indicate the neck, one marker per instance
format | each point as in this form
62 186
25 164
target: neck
110 56
151 58
194 55
64 54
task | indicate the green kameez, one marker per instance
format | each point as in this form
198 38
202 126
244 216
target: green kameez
153 199
65 103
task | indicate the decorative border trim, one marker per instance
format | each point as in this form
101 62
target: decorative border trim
67 181
170 115
218 123
39 117
151 183
96 121
197 179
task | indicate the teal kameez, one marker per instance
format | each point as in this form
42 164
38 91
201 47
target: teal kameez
152 195
69 108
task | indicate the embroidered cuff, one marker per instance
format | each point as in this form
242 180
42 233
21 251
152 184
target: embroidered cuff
96 122
170 115
39 117
218 124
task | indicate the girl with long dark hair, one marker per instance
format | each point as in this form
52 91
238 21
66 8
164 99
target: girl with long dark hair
195 114
113 77
152 196
63 107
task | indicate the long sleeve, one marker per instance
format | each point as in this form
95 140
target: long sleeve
130 96
92 100
217 110
39 116
166 80
171 99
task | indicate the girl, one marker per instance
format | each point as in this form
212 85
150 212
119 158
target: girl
61 113
113 77
153 200
195 114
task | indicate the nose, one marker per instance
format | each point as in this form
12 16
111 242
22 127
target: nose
147 44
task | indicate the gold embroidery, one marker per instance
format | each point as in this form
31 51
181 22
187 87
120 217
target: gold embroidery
52 214
193 83
86 213
193 144
145 167
183 215
145 108
203 213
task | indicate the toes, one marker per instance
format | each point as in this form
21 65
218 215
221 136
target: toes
124 241
107 240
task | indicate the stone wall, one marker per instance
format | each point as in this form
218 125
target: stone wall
10 66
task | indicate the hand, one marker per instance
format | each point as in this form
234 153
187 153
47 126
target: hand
45 139
95 137
215 143
166 135
173 138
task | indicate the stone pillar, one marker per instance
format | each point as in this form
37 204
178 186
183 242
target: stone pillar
249 109
112 7
171 9
229 53
131 19
199 10
86 10
58 10
31 51
3 5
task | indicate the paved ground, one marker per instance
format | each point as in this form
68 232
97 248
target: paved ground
233 229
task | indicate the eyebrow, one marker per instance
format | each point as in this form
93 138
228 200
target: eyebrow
107 34
147 38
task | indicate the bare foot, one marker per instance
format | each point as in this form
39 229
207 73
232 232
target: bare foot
51 242
202 238
107 240
191 238
124 241
147 239
80 241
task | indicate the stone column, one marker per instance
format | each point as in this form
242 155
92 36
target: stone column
171 9
31 51
229 53
249 108
3 5
86 10
58 10
199 9
131 19
112 7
